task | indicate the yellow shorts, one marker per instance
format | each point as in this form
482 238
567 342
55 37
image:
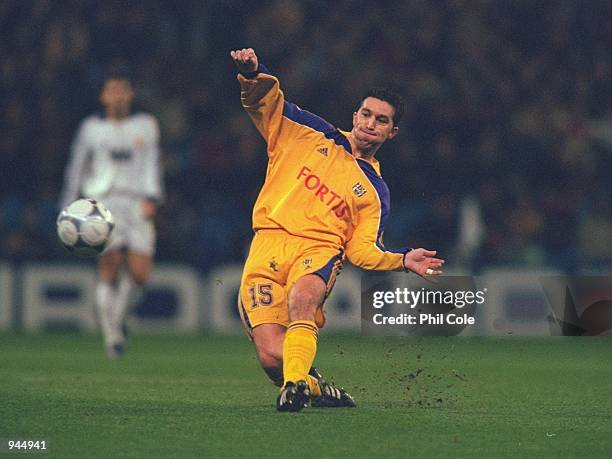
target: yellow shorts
276 261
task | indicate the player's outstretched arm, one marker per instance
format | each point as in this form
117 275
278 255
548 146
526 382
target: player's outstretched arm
261 97
423 262
245 59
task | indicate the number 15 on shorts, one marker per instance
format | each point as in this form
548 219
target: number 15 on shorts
261 295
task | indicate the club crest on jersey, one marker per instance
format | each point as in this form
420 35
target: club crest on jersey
121 154
359 190
323 150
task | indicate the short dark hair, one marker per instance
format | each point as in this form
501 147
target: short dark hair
389 96
118 72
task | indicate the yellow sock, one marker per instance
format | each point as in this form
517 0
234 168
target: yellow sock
313 385
299 349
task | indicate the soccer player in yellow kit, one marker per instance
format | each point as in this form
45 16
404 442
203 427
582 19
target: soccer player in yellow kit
323 200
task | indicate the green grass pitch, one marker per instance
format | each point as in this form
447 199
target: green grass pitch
205 396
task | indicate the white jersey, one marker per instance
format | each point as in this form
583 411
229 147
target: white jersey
111 157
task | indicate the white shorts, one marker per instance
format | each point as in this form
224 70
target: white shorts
132 230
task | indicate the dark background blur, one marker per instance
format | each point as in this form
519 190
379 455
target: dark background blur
505 154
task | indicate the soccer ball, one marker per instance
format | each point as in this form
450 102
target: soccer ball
85 227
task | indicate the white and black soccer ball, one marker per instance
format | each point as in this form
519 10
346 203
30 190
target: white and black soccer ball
85 227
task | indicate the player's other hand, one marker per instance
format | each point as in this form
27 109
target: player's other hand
423 262
245 59
149 209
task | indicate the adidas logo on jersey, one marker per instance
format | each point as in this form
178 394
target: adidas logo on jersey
323 150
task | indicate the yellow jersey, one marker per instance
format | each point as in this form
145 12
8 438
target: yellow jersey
315 188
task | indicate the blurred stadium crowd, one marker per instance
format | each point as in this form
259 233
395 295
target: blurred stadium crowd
505 156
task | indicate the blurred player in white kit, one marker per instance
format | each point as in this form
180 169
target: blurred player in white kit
115 158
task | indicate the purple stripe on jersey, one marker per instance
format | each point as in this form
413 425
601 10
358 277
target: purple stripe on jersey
295 113
385 200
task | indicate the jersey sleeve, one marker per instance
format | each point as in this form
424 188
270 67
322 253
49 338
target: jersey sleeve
77 164
279 121
365 248
152 174
264 101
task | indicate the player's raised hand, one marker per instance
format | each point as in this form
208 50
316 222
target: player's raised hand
423 263
245 59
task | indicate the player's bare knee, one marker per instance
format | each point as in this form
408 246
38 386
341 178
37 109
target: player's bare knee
140 278
140 268
109 266
302 311
303 307
140 274
305 297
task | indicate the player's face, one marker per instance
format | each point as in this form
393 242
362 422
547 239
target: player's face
373 123
116 97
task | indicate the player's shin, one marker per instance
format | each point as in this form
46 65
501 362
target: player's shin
105 298
299 350
128 294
